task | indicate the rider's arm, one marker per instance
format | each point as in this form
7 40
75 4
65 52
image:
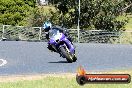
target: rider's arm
47 35
63 30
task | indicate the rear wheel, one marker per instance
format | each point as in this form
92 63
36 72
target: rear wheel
66 54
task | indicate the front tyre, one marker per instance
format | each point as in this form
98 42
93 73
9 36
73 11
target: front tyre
74 58
66 54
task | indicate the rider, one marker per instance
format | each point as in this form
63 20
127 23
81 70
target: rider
48 26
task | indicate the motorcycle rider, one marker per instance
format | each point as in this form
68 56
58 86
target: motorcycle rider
48 26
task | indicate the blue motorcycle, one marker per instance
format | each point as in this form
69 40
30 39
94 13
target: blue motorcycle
62 45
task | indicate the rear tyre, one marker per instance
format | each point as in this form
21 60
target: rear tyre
66 54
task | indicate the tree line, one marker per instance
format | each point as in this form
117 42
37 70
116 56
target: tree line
95 14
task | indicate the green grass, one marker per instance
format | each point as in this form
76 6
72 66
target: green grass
57 82
128 26
126 37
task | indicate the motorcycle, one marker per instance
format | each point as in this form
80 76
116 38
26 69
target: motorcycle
62 45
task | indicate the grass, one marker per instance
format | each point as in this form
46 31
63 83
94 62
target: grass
128 26
55 82
126 37
58 82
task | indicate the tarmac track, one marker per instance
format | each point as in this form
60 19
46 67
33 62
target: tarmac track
34 58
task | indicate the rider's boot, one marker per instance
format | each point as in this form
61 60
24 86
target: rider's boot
51 49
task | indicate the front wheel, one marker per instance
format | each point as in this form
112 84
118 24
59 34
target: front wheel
66 54
74 58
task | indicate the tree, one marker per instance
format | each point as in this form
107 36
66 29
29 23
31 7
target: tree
14 12
95 14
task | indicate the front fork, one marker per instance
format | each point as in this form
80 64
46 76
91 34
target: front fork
67 50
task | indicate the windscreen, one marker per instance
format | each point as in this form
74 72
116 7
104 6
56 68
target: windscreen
53 32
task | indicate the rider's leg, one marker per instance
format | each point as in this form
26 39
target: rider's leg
68 37
50 48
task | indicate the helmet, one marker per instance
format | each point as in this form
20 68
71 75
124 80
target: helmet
47 25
